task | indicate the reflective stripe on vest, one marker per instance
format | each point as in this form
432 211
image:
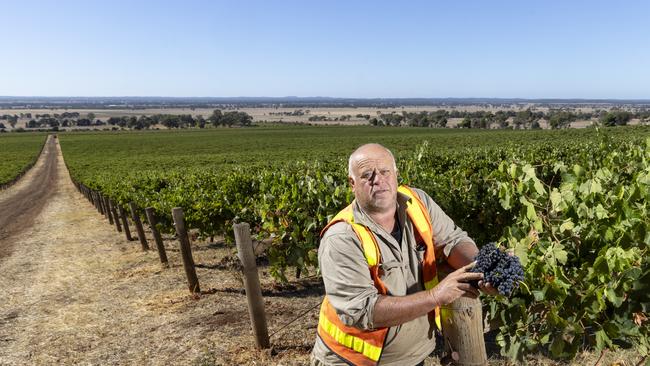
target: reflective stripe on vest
362 347
356 346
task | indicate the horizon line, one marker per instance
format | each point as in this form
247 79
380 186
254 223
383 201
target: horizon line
319 97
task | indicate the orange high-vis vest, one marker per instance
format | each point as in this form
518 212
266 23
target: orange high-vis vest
364 347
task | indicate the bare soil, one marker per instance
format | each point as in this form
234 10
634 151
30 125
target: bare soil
75 291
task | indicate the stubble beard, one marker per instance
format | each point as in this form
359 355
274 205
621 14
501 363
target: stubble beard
381 205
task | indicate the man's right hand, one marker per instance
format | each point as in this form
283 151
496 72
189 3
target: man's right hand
455 285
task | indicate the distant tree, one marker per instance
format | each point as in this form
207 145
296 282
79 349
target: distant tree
170 121
644 116
416 119
186 120
200 121
465 123
145 122
479 122
560 119
438 118
488 120
12 119
236 119
525 119
90 116
501 119
215 117
132 122
616 118
392 119
119 121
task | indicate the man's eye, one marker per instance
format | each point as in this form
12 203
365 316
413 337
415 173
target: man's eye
385 172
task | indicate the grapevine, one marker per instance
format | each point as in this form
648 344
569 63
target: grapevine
572 205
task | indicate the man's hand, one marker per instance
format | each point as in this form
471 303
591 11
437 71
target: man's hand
487 288
395 310
455 285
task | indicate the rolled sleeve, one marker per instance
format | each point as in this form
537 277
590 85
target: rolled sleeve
446 234
348 284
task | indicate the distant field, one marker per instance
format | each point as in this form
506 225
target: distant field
221 148
17 152
277 114
258 114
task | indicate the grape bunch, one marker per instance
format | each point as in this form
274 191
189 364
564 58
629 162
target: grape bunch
502 271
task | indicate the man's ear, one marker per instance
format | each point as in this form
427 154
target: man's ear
351 181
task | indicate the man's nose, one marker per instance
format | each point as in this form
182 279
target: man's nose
374 178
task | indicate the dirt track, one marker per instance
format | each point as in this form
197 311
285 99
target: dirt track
74 291
21 203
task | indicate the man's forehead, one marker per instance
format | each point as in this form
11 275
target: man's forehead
378 158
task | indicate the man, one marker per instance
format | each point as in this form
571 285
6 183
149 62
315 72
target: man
378 261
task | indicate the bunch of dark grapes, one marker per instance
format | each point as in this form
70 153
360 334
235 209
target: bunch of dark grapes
502 271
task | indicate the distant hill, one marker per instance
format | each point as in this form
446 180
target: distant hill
292 102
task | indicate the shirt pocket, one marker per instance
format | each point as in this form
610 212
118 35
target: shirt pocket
392 276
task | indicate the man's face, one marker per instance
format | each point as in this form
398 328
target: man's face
374 180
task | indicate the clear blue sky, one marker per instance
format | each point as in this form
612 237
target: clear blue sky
527 49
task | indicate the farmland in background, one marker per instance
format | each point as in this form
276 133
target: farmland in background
268 146
77 118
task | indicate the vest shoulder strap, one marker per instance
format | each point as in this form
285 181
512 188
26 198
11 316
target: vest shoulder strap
367 239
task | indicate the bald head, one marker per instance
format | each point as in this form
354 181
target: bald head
366 151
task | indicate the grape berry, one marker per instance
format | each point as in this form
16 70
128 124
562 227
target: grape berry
502 271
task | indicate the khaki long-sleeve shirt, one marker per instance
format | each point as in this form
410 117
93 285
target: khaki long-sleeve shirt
351 290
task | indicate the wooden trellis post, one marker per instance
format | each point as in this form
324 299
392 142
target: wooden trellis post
462 330
138 226
151 218
125 223
252 284
117 219
108 210
186 250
